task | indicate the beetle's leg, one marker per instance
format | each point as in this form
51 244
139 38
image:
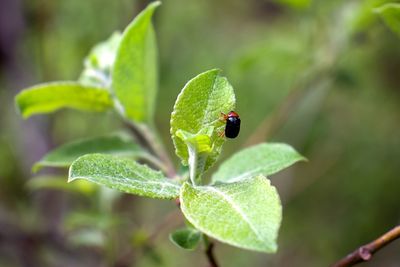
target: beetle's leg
221 133
223 117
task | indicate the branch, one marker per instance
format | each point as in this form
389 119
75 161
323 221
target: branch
209 251
364 253
318 76
210 255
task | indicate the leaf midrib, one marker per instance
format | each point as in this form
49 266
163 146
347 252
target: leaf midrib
238 210
128 179
257 170
209 96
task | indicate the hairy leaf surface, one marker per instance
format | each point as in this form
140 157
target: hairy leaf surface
123 174
266 159
199 106
246 214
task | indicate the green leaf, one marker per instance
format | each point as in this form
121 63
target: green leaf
64 155
390 14
246 214
186 238
124 175
199 148
199 106
266 159
134 75
49 97
298 4
51 182
98 63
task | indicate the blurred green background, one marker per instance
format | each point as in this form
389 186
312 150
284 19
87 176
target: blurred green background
323 76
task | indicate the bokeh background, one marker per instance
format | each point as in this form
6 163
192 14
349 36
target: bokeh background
323 76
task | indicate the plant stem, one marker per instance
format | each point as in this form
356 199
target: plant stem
147 137
365 252
273 122
321 73
209 251
193 165
159 147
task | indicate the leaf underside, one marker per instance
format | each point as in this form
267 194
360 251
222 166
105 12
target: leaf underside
49 97
187 238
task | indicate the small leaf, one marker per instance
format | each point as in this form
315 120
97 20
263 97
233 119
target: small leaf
134 75
98 63
50 182
186 238
390 14
49 97
199 148
266 159
64 155
201 141
246 214
199 106
124 175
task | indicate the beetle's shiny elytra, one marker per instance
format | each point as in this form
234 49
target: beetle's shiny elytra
232 126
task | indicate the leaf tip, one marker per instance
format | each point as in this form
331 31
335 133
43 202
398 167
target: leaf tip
36 167
151 7
155 4
71 179
173 240
19 107
217 71
185 238
71 176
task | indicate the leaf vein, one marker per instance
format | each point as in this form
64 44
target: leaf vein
238 210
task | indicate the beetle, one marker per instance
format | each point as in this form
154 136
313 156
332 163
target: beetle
232 126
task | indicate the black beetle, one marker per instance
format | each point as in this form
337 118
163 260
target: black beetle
232 126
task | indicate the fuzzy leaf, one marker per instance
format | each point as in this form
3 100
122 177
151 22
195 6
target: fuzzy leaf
186 238
199 106
266 159
134 75
390 14
98 63
199 148
124 175
246 214
64 155
49 97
